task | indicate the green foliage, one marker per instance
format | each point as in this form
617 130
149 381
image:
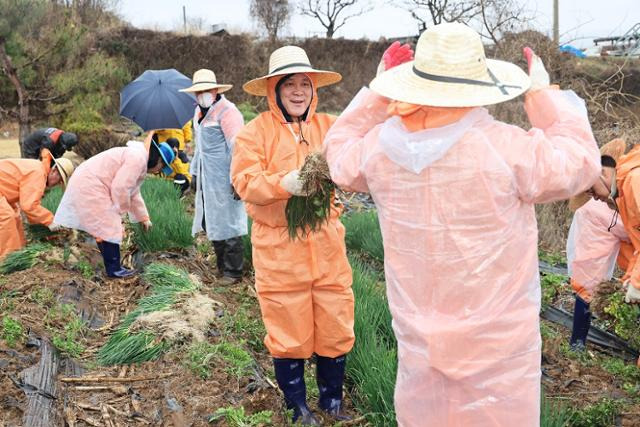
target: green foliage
243 325
126 347
236 417
629 373
552 258
553 414
12 331
373 361
248 248
51 199
202 356
551 285
22 259
600 414
547 331
85 268
308 214
248 111
7 300
625 318
68 340
171 223
44 297
363 234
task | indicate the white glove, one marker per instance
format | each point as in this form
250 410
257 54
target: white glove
53 226
537 73
291 183
633 294
146 225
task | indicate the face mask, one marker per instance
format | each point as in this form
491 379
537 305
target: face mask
205 100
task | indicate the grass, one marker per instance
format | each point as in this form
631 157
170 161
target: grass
248 249
372 364
125 347
66 328
625 318
554 414
171 222
201 357
12 331
603 413
236 417
248 111
551 285
22 259
50 201
364 235
85 268
8 301
242 324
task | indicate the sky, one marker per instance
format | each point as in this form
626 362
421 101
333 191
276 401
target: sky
580 20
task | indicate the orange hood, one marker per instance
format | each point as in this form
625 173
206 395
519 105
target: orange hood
273 104
626 164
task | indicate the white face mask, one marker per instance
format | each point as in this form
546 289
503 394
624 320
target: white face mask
205 100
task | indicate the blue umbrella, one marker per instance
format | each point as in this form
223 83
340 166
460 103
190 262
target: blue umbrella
153 102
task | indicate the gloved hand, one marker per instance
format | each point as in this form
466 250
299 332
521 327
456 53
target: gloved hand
183 157
53 226
146 225
633 294
537 73
395 55
292 183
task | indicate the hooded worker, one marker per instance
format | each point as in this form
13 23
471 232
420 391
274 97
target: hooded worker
55 140
220 214
106 187
455 191
22 185
597 242
303 286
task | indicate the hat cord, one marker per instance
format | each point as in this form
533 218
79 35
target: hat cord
459 80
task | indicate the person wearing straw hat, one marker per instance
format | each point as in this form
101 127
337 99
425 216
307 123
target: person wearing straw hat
216 122
23 182
597 241
455 191
303 285
106 187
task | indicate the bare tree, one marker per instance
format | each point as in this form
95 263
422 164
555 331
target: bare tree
434 12
499 16
273 15
333 14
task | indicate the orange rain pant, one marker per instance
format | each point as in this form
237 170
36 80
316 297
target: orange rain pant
304 290
11 232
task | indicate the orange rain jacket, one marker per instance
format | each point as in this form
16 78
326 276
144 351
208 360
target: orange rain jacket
456 205
22 185
304 285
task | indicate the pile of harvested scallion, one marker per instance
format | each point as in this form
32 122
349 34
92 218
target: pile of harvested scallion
306 214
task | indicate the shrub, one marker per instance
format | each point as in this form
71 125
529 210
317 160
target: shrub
171 223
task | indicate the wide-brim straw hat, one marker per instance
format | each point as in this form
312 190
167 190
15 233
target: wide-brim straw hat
290 60
614 148
204 79
450 70
65 168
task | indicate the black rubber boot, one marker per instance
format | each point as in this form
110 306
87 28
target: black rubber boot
230 257
581 324
330 377
290 377
111 257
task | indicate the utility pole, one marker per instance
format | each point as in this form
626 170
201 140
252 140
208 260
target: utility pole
556 23
184 17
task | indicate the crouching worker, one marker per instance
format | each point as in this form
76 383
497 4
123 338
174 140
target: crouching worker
106 187
180 166
597 241
55 140
456 191
22 185
303 285
619 187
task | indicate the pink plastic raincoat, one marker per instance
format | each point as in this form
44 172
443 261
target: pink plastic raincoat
104 188
456 209
592 250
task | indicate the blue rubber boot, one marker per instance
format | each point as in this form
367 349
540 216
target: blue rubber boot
330 377
290 378
111 257
581 325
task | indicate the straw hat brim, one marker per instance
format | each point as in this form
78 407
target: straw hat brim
64 174
323 78
614 148
401 83
199 87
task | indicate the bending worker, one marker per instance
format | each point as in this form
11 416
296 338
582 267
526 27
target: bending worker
605 230
178 140
303 285
55 140
455 191
22 185
107 186
219 213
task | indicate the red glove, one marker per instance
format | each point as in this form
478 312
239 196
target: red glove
396 54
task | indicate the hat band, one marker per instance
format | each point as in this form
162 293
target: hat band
295 64
446 79
205 82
